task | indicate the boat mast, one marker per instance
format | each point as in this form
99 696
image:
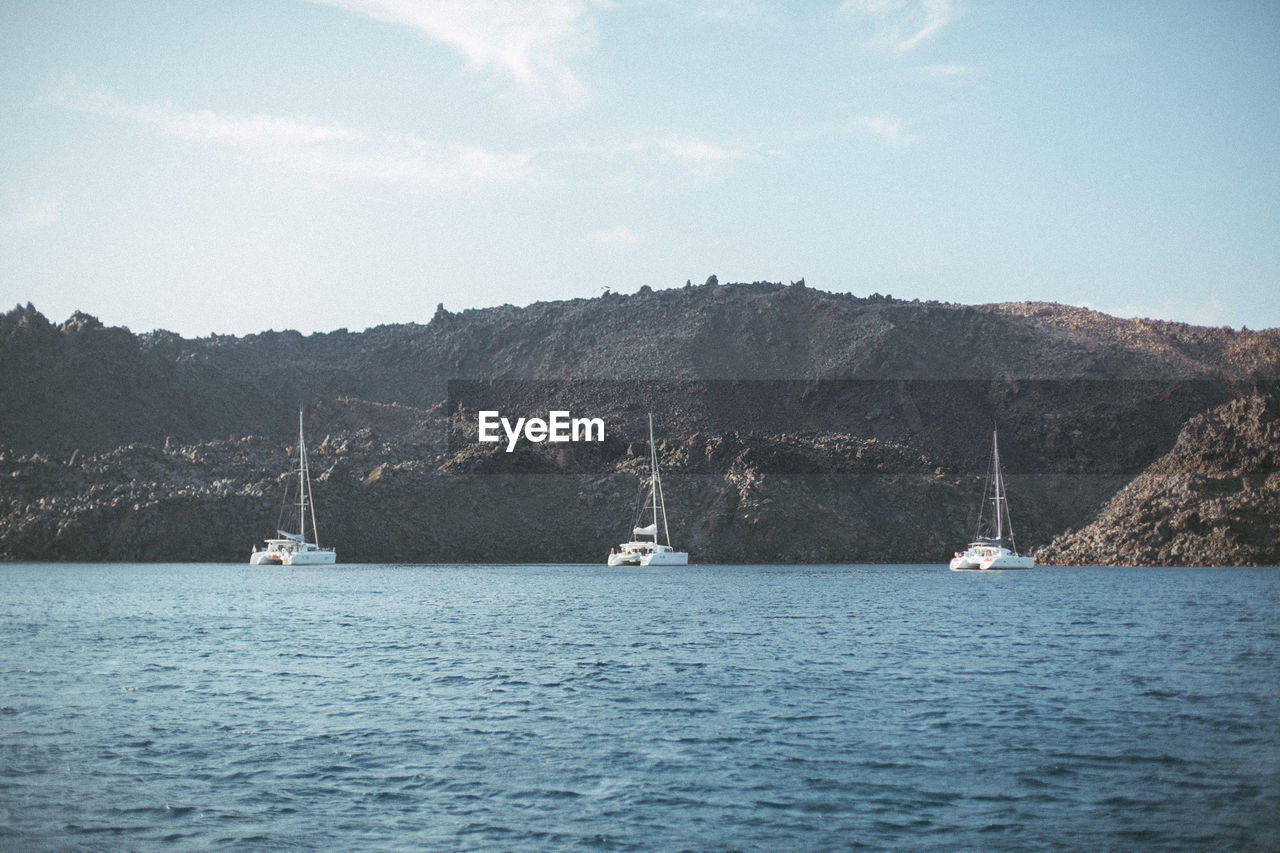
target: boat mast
655 487
302 482
304 491
999 485
653 478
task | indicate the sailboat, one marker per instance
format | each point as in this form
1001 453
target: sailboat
293 549
643 550
989 552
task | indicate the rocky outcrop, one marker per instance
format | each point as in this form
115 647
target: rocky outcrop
1212 500
798 425
84 386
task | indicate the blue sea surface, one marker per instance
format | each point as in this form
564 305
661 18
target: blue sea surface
554 707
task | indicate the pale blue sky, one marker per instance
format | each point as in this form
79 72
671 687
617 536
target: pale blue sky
233 166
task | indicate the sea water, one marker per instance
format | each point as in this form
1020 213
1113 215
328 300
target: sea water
553 707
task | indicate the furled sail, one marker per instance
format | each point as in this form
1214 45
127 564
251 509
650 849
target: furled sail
651 530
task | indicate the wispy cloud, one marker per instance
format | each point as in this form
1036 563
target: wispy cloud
322 150
899 26
331 152
694 159
532 42
739 12
946 73
617 236
891 131
643 163
35 213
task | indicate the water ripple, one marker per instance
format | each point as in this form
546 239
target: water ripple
713 708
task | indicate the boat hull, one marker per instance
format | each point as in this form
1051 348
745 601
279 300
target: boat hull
665 558
998 564
629 556
282 552
312 558
1007 562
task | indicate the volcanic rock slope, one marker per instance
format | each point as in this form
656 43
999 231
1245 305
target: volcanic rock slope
1212 500
795 425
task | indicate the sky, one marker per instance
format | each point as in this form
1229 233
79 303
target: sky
235 166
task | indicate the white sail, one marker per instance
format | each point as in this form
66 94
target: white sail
650 530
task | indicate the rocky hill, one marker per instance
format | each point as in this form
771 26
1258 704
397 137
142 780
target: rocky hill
1212 500
797 425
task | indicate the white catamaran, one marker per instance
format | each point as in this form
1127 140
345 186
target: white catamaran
641 551
293 549
989 552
